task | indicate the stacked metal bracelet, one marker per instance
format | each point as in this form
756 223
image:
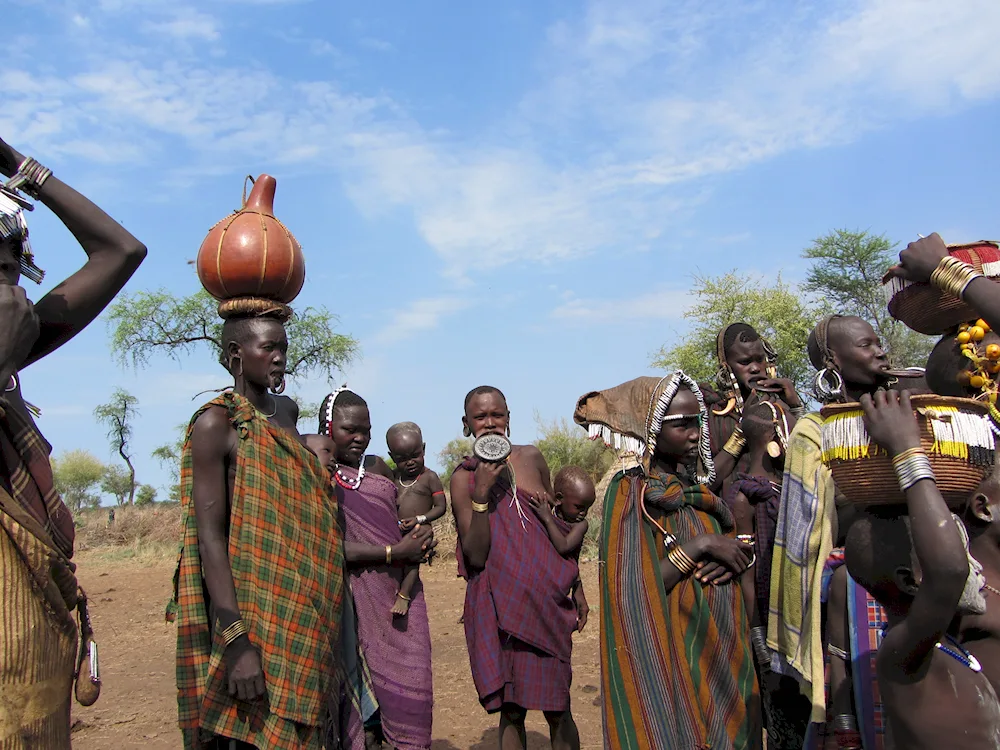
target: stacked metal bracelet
758 637
953 276
233 632
29 178
681 560
736 443
911 466
480 507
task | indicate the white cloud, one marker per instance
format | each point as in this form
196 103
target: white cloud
633 104
186 24
665 303
422 315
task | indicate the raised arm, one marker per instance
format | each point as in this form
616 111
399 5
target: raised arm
113 255
944 562
918 261
212 442
18 329
471 510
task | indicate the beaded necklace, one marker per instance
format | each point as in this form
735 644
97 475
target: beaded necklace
959 654
347 483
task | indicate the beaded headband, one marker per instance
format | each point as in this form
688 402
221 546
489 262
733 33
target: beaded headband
656 415
14 227
330 399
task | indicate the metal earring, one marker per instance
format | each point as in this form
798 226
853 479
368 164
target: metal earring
825 390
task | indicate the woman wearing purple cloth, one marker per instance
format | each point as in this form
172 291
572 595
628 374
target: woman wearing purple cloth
397 650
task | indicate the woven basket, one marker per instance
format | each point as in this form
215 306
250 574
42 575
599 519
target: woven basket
956 434
927 309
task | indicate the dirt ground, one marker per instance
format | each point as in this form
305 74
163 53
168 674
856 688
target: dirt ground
138 709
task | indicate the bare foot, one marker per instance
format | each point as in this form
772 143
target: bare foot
400 608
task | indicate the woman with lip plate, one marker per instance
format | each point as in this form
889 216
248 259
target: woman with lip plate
850 361
676 665
519 615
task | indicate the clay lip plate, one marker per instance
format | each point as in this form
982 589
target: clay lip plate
491 447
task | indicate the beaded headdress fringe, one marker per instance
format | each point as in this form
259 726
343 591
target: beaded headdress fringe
956 434
13 225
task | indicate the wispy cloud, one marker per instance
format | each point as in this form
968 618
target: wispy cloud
632 107
422 315
187 23
665 303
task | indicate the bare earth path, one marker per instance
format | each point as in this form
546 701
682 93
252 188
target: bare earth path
137 708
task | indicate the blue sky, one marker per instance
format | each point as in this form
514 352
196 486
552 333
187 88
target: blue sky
514 193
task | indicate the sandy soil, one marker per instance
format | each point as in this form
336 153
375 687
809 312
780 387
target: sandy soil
138 706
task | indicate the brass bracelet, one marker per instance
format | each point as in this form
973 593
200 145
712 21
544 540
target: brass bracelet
480 507
388 554
233 632
681 561
953 276
736 443
404 597
904 455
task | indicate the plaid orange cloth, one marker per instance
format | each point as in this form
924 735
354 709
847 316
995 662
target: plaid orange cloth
286 554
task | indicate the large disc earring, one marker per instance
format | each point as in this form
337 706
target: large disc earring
828 385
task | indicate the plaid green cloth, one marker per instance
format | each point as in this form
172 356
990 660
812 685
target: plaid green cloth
286 554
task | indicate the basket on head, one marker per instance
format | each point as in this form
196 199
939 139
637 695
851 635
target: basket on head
957 435
252 254
927 309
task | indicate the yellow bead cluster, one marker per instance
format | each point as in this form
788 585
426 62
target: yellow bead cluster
985 362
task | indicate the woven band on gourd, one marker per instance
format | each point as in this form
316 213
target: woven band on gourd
953 276
256 307
912 466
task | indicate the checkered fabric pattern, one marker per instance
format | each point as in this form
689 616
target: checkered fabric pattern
286 554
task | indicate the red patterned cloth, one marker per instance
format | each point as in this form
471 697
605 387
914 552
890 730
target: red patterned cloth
519 617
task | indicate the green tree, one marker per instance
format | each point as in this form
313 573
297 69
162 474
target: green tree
169 457
563 444
144 323
119 483
451 456
77 475
847 269
777 311
145 495
117 415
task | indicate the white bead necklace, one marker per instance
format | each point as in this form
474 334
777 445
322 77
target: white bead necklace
356 482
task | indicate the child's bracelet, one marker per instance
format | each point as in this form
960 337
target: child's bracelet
421 519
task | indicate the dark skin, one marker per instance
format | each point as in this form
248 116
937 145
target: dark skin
931 699
980 634
748 361
261 363
574 499
113 255
420 493
677 447
351 431
918 261
858 356
487 413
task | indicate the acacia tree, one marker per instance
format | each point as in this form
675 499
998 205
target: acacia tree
451 456
169 456
777 311
847 269
118 483
844 276
77 474
118 415
148 322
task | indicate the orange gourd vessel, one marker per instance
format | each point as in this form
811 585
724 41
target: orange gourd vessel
252 254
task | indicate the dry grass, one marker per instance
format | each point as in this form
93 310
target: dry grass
148 534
